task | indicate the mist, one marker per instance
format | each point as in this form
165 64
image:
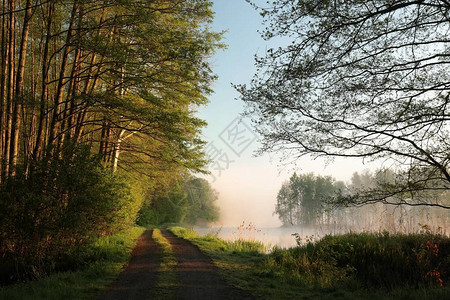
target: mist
248 195
247 190
372 218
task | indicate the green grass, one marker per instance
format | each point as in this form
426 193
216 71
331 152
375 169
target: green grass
166 281
352 266
238 261
368 259
104 260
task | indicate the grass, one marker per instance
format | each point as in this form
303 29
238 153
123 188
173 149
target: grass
166 281
352 266
104 261
238 261
369 259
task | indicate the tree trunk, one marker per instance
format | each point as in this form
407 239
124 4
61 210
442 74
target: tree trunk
116 152
44 88
3 99
55 121
19 91
10 87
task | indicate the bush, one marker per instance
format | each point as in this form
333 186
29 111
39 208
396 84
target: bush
370 260
63 204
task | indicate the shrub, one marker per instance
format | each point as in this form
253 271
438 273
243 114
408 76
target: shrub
63 203
371 260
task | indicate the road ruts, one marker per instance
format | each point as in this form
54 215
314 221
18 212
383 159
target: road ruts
197 276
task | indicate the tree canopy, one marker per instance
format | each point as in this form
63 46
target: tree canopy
97 110
120 76
184 199
366 79
303 199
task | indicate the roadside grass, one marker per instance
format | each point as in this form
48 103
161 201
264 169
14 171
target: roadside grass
166 282
238 261
99 264
352 266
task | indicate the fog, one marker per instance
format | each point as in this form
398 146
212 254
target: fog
270 236
247 190
377 218
247 193
250 199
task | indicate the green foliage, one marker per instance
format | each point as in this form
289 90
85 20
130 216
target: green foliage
165 206
59 206
303 199
367 260
159 76
101 261
189 200
201 201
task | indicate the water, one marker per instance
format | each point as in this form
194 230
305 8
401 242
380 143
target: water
282 237
270 236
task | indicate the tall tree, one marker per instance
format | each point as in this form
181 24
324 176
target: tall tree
361 79
201 198
124 77
303 199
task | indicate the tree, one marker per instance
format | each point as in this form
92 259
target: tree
285 204
304 199
94 95
110 74
67 204
373 215
365 79
202 199
182 199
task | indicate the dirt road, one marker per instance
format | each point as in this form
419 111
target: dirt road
197 276
139 276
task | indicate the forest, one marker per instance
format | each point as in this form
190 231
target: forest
97 120
314 201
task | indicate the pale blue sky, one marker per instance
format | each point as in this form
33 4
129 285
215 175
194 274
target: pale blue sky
235 64
247 185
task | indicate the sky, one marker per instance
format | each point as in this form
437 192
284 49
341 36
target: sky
247 185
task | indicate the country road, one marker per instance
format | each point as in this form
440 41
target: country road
197 276
139 276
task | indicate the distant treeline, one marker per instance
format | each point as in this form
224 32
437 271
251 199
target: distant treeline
311 200
188 200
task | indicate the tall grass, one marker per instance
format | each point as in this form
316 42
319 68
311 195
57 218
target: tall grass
98 265
368 260
349 266
211 242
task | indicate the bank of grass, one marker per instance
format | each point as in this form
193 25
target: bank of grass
350 266
99 264
166 282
